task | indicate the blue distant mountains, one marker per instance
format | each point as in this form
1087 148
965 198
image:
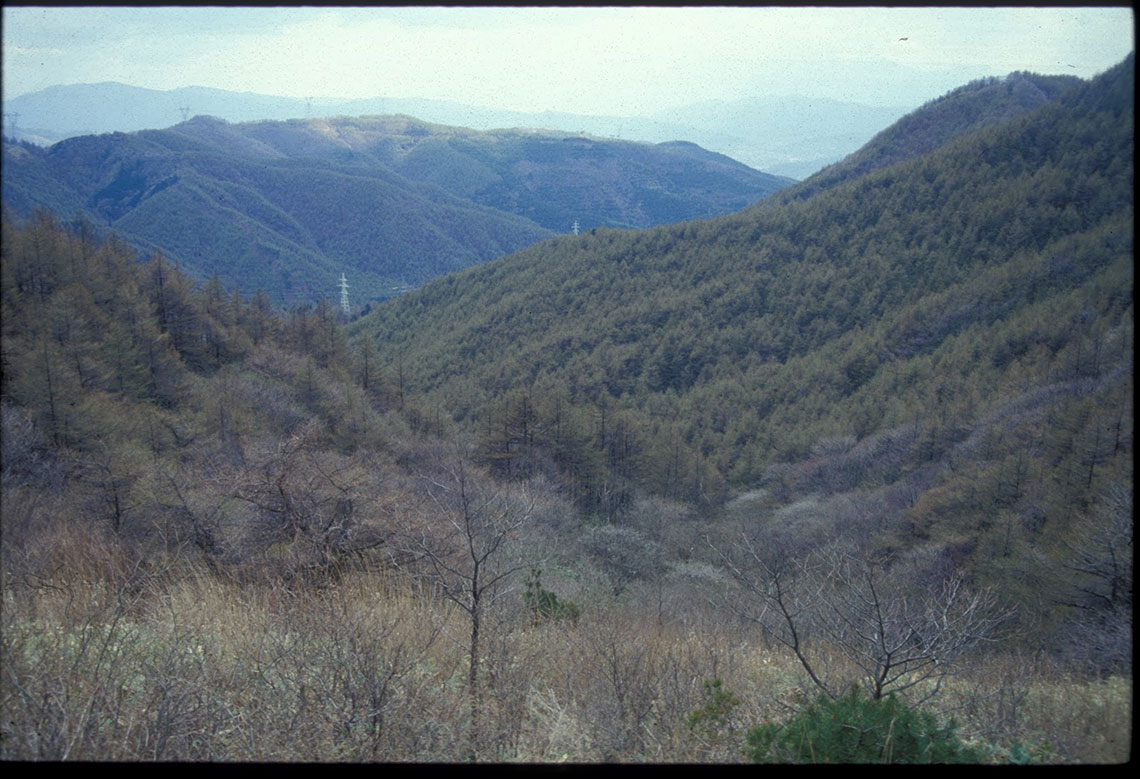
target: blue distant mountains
791 136
287 206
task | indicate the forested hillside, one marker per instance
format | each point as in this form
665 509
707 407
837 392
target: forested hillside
228 535
552 178
390 201
934 356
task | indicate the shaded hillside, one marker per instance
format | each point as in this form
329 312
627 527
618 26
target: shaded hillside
219 203
392 202
937 355
669 309
551 178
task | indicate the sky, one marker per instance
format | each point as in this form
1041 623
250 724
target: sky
615 61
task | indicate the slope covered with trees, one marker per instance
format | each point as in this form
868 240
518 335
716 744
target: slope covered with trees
553 178
934 356
391 201
231 535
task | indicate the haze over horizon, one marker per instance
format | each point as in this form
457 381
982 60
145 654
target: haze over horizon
617 61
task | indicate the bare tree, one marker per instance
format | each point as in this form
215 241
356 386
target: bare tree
464 546
316 501
1095 583
894 637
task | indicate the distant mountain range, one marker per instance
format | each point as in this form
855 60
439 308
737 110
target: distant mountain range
789 136
392 201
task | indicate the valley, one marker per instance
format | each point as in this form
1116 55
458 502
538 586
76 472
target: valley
741 451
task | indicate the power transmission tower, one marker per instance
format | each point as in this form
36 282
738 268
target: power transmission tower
185 112
344 295
308 107
575 227
13 116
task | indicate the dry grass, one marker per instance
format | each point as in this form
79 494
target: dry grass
108 660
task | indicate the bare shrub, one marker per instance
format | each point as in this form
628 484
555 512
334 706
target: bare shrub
891 639
315 506
463 541
67 667
1097 585
623 554
618 687
26 456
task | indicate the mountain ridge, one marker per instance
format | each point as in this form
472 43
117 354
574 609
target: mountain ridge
393 200
765 133
961 111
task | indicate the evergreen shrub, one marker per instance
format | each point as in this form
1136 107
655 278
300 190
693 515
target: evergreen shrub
544 604
858 729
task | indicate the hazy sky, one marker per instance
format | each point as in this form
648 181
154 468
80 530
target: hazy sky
592 60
